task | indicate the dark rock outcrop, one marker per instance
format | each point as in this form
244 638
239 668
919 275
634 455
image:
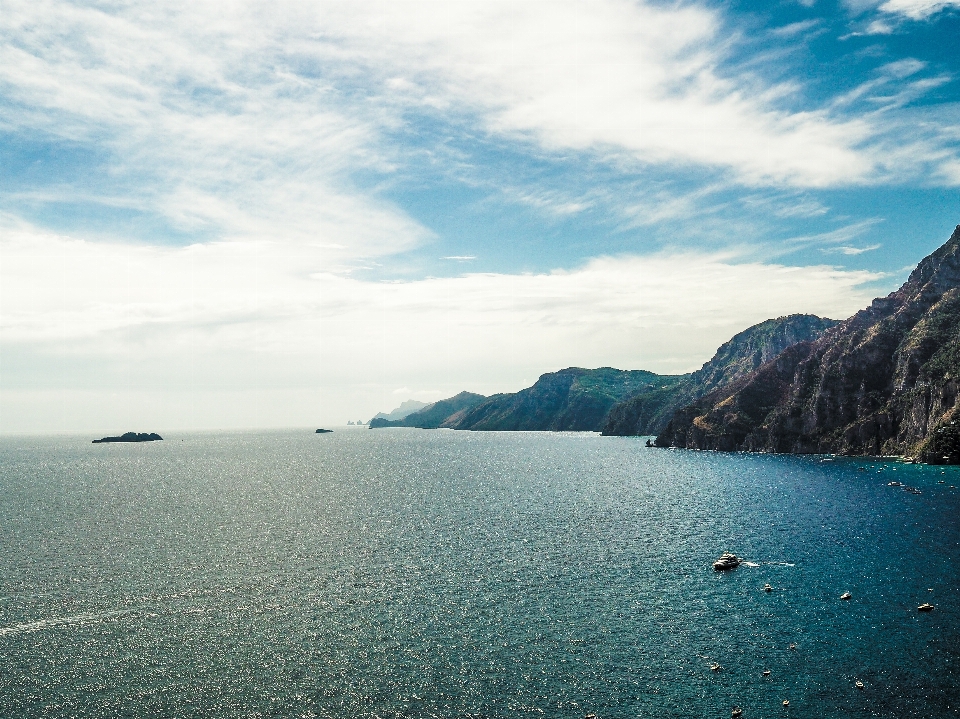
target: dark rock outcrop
131 437
649 412
884 382
573 399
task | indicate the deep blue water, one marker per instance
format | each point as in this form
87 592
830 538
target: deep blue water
409 573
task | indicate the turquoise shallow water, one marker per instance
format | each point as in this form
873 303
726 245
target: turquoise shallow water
408 573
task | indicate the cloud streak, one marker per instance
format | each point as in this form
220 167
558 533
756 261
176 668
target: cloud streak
917 9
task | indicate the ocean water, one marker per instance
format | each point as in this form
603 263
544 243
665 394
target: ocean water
408 573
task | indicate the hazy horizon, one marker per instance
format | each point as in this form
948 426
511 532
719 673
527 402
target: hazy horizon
303 214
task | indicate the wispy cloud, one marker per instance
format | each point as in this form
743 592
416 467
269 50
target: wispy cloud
201 117
829 240
850 250
643 83
795 28
917 9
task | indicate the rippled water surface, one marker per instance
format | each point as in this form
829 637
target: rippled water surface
409 573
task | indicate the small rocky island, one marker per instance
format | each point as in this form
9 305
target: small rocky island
131 437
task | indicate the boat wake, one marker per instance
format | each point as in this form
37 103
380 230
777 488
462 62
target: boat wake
75 620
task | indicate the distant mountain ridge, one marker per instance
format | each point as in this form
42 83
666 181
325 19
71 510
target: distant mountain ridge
614 401
649 412
433 416
573 400
884 381
405 409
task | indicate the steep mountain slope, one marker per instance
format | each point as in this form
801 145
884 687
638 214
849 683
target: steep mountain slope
436 414
648 412
572 399
882 382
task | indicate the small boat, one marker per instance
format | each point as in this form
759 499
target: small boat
737 712
715 667
793 646
727 560
846 595
925 607
767 588
858 684
786 702
766 672
894 484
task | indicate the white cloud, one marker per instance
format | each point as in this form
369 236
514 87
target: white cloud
255 125
878 27
850 250
795 28
242 123
201 120
608 77
903 68
183 329
917 9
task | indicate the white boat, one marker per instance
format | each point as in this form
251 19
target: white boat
727 560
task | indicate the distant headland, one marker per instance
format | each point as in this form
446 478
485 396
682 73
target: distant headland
131 437
885 382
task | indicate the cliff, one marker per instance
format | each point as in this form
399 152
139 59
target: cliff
883 382
649 412
573 399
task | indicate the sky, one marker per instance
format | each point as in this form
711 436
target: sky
291 214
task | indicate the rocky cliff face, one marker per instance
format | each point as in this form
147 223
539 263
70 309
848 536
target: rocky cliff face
649 412
884 381
572 399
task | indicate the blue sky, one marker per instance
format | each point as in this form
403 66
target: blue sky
285 214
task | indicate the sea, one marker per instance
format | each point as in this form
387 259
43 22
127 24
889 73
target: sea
432 573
